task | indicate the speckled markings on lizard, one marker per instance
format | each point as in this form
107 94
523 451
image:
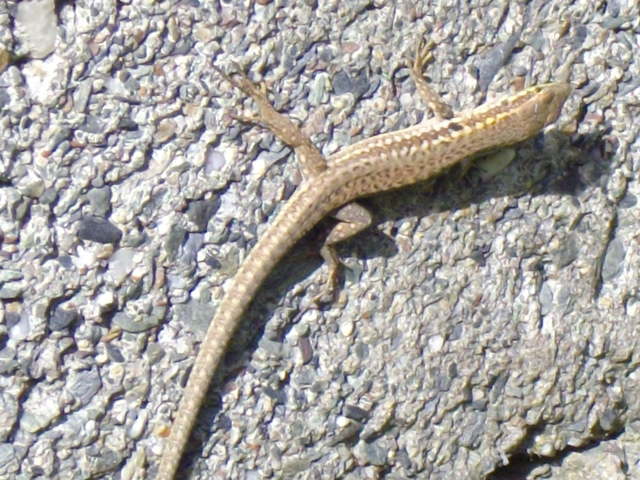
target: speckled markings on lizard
380 163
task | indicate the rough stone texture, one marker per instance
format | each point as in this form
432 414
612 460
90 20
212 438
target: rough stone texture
487 325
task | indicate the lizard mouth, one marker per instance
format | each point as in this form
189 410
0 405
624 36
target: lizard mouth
557 94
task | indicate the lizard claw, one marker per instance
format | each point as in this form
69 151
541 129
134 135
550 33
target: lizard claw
240 81
423 55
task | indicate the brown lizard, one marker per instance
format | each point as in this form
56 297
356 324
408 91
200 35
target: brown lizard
380 163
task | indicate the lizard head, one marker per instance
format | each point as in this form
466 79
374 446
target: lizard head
547 101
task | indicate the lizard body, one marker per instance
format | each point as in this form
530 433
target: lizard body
380 163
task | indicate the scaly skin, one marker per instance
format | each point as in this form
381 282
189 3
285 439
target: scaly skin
380 163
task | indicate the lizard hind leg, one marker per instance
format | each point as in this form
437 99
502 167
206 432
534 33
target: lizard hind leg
352 218
312 162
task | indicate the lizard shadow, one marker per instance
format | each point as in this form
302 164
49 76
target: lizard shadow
547 164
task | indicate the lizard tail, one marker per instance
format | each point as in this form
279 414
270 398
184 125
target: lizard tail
272 246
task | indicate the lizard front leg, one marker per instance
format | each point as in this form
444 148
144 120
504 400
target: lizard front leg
438 107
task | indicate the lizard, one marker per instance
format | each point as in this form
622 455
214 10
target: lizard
330 185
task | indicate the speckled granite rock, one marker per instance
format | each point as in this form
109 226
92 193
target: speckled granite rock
487 325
